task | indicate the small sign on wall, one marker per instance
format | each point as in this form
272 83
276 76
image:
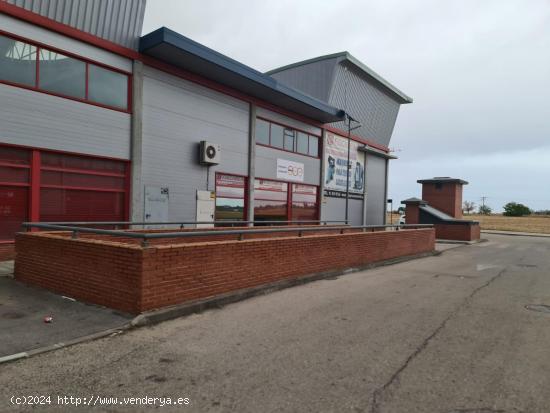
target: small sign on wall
290 171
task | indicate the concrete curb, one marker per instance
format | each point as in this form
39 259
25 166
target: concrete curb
169 313
517 234
79 340
453 241
199 306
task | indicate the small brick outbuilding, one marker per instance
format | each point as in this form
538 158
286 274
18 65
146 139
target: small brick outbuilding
441 205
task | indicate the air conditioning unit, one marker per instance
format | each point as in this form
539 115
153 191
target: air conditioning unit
210 153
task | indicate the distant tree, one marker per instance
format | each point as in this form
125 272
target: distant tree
514 209
485 210
542 212
468 207
401 210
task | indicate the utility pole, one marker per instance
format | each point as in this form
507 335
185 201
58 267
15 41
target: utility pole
348 166
483 198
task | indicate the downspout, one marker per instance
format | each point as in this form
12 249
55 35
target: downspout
136 144
251 162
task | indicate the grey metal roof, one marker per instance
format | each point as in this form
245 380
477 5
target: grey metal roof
414 200
118 21
442 179
402 97
377 152
443 216
180 51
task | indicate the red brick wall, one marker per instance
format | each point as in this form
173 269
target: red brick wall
7 251
132 279
91 271
412 214
447 199
466 232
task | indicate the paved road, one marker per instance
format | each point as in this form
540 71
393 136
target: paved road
440 334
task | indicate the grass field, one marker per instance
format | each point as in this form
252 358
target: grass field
533 223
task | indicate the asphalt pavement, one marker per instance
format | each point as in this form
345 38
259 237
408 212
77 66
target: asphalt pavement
466 331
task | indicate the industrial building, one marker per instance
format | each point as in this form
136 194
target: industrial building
99 123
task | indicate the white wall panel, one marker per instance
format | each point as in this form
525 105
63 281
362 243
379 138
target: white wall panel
177 115
266 164
376 181
40 120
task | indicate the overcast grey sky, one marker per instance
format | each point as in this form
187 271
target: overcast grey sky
478 70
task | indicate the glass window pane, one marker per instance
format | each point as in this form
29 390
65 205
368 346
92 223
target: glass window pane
302 143
62 74
289 140
229 209
313 145
277 134
17 61
262 132
270 210
107 87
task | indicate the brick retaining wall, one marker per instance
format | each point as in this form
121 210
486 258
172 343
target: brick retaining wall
133 279
7 251
464 232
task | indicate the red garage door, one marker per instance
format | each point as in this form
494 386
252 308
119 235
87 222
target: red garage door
38 185
14 190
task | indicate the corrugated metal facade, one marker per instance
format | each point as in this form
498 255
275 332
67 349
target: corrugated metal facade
177 115
314 79
341 84
354 93
119 21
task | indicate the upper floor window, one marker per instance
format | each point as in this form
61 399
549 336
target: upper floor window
289 139
47 70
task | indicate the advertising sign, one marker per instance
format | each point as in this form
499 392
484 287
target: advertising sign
336 154
290 171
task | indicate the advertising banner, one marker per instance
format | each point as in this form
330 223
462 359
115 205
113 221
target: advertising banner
336 154
290 171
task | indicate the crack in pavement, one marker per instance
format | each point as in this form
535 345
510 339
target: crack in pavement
375 399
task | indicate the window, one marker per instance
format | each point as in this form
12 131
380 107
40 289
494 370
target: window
270 200
304 203
302 143
107 87
288 139
230 197
262 132
277 136
313 146
61 74
17 61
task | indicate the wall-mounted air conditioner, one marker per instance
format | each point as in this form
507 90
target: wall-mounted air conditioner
210 153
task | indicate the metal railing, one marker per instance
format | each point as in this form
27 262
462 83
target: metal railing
146 236
182 224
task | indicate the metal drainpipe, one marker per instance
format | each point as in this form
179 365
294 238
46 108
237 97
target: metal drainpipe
385 221
136 144
364 220
251 162
322 177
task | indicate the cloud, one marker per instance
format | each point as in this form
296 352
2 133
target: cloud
479 72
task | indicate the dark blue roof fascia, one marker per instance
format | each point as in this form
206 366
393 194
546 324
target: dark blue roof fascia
165 44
